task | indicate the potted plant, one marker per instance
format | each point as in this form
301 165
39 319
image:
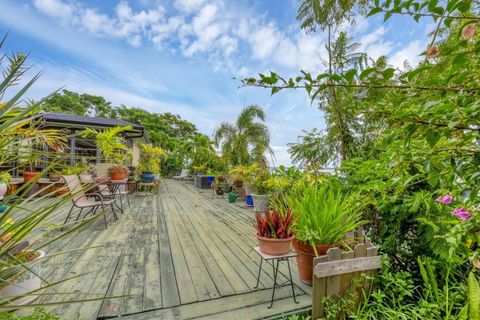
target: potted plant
250 176
21 267
4 179
113 148
86 175
274 231
324 216
237 174
149 164
262 190
34 141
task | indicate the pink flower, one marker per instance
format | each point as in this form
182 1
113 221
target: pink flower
433 51
468 31
446 199
461 213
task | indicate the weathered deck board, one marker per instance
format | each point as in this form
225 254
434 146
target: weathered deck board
177 255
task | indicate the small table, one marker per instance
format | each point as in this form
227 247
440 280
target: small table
267 257
115 191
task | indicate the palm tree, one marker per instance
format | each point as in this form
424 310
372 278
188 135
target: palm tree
246 140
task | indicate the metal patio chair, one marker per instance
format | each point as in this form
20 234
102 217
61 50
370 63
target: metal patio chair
81 200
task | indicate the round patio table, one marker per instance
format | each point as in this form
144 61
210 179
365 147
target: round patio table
115 191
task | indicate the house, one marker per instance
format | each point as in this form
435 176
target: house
81 148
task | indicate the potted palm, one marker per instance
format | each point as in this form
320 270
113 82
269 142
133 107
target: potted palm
149 164
324 216
237 174
274 231
34 142
113 148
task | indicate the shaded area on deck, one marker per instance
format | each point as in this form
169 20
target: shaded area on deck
179 254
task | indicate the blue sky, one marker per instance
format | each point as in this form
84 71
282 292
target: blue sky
181 56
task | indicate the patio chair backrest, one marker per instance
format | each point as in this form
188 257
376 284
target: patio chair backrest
184 173
75 186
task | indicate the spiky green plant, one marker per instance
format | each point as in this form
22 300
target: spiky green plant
26 212
325 214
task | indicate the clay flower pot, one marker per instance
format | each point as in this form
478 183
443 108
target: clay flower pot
27 176
274 247
305 258
118 173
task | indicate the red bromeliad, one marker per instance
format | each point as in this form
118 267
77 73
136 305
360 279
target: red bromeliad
273 224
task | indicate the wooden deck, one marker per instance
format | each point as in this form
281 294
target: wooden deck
180 255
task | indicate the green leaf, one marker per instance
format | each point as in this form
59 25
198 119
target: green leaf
432 138
366 72
473 297
374 11
388 73
447 22
350 75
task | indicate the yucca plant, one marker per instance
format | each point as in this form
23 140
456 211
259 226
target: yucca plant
325 214
26 213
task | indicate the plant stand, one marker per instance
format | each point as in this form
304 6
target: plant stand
277 259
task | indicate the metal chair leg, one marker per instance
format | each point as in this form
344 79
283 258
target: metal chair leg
128 199
121 203
69 213
113 211
104 212
78 216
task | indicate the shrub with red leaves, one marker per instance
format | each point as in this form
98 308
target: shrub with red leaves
273 224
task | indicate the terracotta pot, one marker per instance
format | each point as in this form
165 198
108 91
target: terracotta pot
274 247
118 173
27 176
238 183
305 258
54 177
62 190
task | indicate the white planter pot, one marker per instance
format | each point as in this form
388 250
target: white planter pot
86 178
260 202
3 189
24 284
249 189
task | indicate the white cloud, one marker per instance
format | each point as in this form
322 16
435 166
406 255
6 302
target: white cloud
188 6
54 8
411 53
374 44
